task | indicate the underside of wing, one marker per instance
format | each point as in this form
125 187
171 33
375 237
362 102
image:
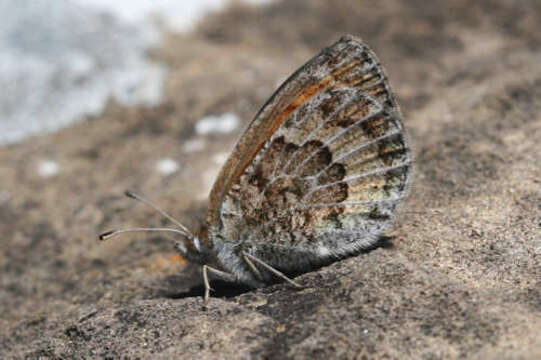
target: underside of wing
323 165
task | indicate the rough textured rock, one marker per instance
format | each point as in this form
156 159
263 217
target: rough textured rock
459 277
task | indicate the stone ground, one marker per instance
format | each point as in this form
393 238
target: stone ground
459 278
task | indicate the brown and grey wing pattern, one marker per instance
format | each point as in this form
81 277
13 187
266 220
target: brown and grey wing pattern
328 160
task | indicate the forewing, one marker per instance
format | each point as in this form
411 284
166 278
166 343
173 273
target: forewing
324 163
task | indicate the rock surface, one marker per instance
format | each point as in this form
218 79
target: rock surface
459 278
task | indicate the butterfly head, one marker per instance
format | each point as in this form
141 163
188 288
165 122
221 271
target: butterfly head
193 249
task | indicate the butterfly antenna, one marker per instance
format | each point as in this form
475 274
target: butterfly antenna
147 202
111 233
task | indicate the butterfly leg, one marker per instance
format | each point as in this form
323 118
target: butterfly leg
252 267
270 268
218 273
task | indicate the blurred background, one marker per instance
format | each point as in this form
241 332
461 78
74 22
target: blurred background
63 59
102 96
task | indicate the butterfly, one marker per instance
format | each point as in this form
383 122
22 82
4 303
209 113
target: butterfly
317 176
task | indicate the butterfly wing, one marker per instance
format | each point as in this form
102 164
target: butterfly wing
322 167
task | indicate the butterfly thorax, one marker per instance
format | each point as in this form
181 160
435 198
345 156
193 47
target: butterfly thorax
210 248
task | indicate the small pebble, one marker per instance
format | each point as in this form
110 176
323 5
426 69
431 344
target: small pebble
48 168
167 166
220 124
193 145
